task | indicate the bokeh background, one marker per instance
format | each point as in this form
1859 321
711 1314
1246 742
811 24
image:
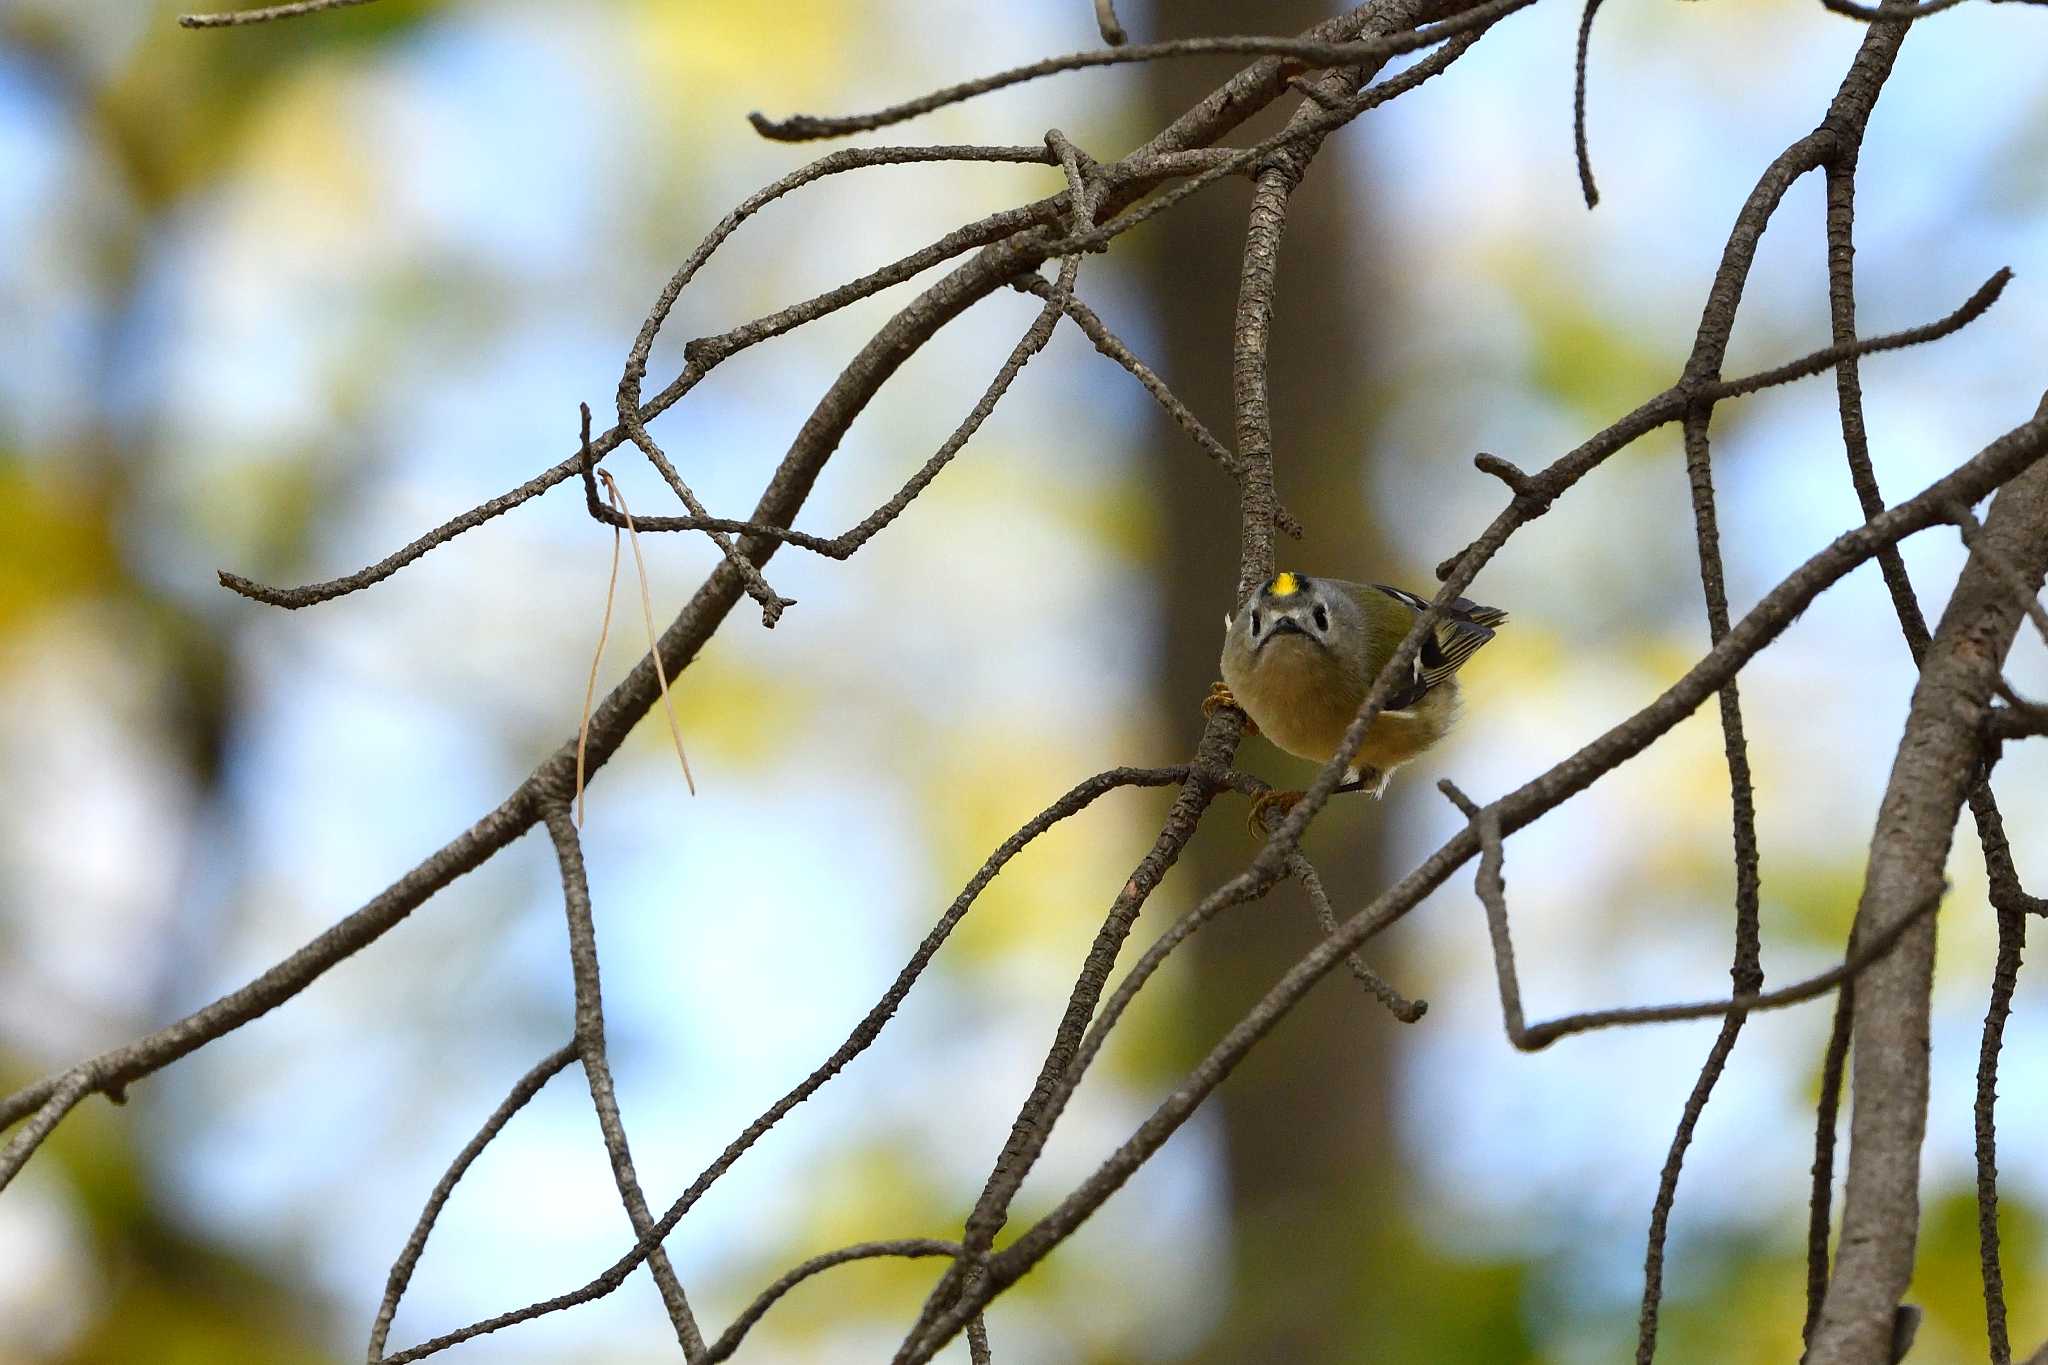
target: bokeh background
278 300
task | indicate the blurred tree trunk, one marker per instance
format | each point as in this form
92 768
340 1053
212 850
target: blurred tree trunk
1312 1165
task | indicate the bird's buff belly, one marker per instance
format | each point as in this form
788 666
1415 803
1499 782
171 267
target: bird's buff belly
1309 721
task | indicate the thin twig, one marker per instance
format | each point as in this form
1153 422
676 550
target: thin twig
1585 157
729 1340
268 14
711 351
805 127
521 1094
1491 888
1398 1005
1109 344
1747 970
771 602
2012 941
590 1050
1859 960
1821 1195
57 1101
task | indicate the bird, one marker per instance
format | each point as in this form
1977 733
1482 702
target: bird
1301 653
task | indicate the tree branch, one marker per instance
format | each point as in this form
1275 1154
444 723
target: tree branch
1937 757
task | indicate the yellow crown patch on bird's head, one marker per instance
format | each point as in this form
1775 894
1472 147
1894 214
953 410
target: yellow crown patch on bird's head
1284 585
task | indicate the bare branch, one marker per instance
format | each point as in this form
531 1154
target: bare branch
111 1072
1333 115
1821 1194
1300 52
729 1341
1889 13
1107 342
266 15
1860 958
710 351
1491 888
757 587
522 1093
55 1101
1586 185
1534 493
1398 1005
590 1049
2012 940
1970 310
2020 720
1930 779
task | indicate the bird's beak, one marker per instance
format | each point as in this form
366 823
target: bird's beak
1285 625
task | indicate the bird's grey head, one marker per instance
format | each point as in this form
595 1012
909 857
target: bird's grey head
1289 606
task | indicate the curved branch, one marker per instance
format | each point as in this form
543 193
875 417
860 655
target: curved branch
521 1095
730 1340
1585 157
1300 53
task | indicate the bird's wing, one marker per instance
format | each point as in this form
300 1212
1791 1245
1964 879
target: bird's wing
1461 628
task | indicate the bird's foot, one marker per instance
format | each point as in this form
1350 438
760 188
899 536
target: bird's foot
1269 809
1220 696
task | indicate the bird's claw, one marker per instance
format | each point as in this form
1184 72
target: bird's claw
1221 696
1268 809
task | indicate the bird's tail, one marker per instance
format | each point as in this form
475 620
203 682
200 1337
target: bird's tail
1469 610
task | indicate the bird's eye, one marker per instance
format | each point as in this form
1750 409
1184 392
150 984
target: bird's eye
1322 618
1255 625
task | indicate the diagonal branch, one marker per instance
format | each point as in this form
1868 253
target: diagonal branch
268 14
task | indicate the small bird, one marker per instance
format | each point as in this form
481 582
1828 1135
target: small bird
1299 657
